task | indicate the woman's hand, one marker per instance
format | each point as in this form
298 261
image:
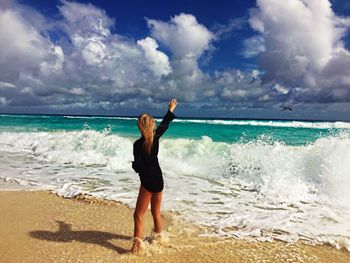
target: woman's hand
172 104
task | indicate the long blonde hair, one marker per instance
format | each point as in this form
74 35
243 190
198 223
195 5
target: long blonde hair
146 124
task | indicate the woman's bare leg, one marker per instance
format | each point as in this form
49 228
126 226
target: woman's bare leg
142 203
156 202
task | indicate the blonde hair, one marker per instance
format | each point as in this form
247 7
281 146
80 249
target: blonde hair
146 124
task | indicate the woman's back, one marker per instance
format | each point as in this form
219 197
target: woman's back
146 164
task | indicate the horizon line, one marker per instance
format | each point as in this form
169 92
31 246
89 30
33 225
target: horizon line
179 117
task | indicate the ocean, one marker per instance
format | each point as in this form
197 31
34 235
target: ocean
264 179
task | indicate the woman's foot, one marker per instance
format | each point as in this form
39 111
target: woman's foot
155 238
136 245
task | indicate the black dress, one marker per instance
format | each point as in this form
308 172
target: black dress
147 165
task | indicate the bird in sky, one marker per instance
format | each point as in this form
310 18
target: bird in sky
284 108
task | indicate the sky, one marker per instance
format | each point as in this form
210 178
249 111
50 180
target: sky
224 59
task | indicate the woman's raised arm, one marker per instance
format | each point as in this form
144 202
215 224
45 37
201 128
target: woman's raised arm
168 117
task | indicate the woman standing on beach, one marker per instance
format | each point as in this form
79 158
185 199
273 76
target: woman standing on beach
146 164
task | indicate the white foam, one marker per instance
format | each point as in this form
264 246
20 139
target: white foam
285 124
100 117
261 189
265 123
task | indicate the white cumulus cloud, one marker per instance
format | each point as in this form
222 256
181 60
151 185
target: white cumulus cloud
187 39
182 34
303 43
158 61
22 46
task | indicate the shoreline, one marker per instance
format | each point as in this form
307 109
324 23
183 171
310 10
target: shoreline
39 226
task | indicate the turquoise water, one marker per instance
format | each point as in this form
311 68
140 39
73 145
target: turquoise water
289 132
245 178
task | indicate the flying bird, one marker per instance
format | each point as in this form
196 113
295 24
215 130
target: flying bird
284 108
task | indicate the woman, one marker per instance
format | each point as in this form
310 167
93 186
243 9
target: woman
146 165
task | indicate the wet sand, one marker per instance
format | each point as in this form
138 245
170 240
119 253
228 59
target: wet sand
37 226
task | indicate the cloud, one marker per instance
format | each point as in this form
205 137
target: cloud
21 44
55 62
3 101
240 87
224 31
188 40
182 34
158 61
280 89
6 85
85 19
303 47
254 46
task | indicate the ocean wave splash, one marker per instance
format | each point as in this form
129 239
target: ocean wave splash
264 188
264 123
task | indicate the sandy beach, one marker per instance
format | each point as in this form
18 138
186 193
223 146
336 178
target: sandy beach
38 226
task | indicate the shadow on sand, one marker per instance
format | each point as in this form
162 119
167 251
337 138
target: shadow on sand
66 234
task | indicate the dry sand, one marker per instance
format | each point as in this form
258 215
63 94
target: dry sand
37 226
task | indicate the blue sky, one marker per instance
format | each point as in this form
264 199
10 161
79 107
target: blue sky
232 59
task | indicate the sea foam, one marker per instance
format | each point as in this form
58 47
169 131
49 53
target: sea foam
265 123
264 188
